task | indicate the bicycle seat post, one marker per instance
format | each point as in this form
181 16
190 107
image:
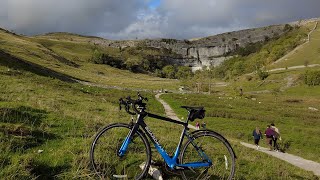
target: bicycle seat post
188 117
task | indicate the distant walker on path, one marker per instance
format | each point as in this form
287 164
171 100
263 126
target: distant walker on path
276 136
257 135
269 136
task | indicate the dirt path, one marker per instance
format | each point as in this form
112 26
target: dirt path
298 47
293 67
169 112
292 159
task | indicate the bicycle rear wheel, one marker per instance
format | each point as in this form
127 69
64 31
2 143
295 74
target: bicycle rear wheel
216 148
104 154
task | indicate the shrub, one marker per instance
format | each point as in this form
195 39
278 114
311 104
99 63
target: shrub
183 72
159 73
169 71
312 78
134 64
262 74
287 28
248 77
97 57
284 145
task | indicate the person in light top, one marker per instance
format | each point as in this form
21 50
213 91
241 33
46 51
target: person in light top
276 136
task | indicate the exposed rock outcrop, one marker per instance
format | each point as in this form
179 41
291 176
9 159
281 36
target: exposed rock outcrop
208 51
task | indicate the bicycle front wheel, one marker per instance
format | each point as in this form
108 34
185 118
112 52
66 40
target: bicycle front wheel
217 150
104 154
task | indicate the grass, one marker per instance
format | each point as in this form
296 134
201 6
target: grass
35 116
308 54
47 124
62 124
72 58
236 117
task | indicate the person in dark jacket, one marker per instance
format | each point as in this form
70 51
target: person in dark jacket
269 136
257 135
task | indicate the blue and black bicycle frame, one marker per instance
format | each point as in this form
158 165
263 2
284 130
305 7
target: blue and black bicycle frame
172 162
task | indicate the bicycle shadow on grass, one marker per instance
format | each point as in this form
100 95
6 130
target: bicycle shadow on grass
45 171
21 128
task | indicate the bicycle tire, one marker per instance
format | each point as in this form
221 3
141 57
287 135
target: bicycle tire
219 151
104 153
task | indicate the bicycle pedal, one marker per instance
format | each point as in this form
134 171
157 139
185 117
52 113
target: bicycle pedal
156 163
179 168
169 171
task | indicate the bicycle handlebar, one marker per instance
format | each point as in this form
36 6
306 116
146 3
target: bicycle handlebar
133 103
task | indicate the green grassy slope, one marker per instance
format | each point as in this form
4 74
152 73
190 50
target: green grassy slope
72 58
236 116
60 118
308 54
38 112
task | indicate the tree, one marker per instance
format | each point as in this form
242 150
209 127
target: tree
159 73
169 71
133 64
184 72
238 68
262 74
312 78
97 57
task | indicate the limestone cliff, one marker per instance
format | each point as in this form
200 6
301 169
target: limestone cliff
207 51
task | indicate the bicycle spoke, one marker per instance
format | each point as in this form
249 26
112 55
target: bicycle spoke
105 159
218 152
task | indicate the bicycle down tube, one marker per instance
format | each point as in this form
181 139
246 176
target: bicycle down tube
171 162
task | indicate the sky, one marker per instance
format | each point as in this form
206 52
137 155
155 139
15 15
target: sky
140 19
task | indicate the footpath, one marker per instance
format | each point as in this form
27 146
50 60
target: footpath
292 159
169 112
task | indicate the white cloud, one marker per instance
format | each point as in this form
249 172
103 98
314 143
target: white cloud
80 16
123 19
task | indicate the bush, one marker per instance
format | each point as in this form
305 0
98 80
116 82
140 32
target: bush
262 74
312 78
133 64
169 71
97 57
248 77
159 73
287 28
284 145
184 72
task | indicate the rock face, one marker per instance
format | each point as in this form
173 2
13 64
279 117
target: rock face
207 51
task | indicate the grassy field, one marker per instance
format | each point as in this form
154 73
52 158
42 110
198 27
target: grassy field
47 124
35 116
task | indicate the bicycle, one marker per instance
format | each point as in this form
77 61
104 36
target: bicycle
123 150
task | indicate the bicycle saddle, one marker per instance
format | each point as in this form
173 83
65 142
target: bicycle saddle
189 108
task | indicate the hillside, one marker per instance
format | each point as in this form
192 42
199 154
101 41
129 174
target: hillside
72 58
71 55
48 119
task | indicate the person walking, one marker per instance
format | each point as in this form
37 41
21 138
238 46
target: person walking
269 135
257 135
197 125
276 136
204 125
